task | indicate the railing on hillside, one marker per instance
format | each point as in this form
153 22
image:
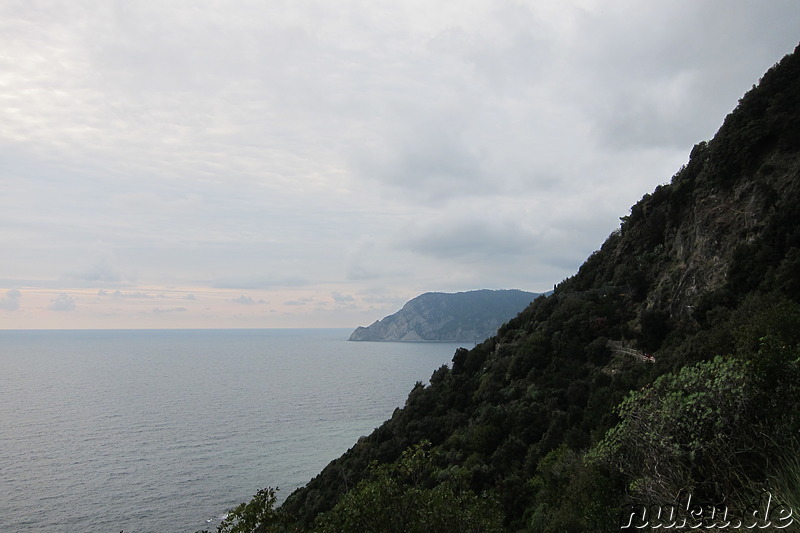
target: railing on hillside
618 347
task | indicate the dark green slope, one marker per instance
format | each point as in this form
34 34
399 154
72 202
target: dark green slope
706 265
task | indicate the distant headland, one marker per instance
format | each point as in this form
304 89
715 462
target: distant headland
470 316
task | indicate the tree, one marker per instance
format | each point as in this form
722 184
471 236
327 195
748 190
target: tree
677 434
256 516
409 496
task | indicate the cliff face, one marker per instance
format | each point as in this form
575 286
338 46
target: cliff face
704 253
691 244
440 317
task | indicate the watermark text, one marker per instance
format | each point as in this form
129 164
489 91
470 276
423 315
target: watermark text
688 514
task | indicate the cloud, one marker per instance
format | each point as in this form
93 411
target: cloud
100 272
379 148
461 237
299 302
649 77
247 300
124 295
63 302
429 159
342 298
11 300
248 282
362 261
159 310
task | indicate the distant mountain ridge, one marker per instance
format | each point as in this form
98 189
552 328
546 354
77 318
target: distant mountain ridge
448 317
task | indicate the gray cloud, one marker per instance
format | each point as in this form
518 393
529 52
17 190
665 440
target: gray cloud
159 310
298 302
100 272
63 302
247 300
340 298
485 234
250 282
661 77
431 159
10 302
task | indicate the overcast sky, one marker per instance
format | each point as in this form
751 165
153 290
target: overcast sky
298 163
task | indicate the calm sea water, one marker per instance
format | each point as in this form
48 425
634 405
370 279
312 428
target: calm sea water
162 431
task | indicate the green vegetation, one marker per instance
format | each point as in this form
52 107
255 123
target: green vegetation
257 515
412 495
669 364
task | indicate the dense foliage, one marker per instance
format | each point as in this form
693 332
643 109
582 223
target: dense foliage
669 363
412 495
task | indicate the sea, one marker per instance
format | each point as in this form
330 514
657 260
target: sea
159 431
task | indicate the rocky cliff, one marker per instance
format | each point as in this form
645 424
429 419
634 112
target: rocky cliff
441 317
718 230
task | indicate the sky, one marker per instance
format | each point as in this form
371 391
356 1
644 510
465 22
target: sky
298 163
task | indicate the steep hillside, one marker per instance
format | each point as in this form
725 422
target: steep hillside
669 364
436 316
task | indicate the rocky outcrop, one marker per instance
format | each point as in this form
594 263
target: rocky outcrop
441 317
697 242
